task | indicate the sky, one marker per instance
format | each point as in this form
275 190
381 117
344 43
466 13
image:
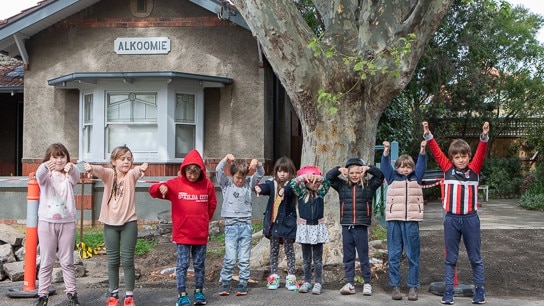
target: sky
15 7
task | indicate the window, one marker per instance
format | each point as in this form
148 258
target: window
87 122
131 119
159 121
185 124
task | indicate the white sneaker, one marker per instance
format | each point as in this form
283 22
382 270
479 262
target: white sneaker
347 289
291 283
367 289
273 282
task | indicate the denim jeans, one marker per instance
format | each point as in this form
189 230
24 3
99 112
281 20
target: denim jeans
312 252
403 235
355 237
467 226
237 247
185 252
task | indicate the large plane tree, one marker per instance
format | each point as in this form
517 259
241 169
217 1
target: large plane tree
340 85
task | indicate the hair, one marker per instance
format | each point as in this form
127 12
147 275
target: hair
239 166
193 168
459 146
54 150
115 154
405 160
287 165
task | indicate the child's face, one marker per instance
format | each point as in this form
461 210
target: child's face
192 175
282 176
123 163
405 169
354 174
238 179
461 160
59 161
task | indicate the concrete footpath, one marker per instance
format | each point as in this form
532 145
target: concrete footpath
494 214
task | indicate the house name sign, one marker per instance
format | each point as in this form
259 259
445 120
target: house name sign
142 45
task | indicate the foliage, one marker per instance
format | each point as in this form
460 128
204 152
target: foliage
144 246
257 226
377 232
532 201
483 64
504 176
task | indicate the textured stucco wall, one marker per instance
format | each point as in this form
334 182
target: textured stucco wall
234 114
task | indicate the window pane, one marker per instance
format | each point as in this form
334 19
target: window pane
132 107
87 144
139 138
185 139
88 109
185 108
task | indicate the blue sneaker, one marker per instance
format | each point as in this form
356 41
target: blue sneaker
183 300
200 299
224 290
241 290
479 296
448 296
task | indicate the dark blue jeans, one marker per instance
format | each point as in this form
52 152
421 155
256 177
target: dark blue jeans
185 251
468 227
355 238
312 252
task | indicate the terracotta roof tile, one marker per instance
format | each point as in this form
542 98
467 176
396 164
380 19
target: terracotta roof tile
11 72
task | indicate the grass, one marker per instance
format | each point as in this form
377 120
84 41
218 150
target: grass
94 238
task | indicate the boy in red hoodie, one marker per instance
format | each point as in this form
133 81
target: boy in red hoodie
193 204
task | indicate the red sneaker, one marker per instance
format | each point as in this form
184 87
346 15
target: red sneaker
112 302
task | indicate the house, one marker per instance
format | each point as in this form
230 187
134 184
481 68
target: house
162 77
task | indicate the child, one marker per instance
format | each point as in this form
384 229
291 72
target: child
193 204
57 177
280 222
118 214
237 211
310 189
461 178
404 211
356 195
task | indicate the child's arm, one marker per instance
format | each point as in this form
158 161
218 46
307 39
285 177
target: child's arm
72 172
443 161
212 200
478 160
377 176
220 170
259 173
421 164
158 190
385 163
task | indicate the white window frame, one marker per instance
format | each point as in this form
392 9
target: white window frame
166 92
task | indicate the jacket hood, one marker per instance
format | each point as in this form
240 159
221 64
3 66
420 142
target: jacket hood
193 158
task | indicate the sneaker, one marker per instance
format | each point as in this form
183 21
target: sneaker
241 290
200 299
112 301
273 282
479 296
367 289
42 301
183 300
305 288
129 301
316 289
448 297
396 295
412 294
224 290
291 283
347 289
72 299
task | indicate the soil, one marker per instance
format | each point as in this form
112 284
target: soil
513 259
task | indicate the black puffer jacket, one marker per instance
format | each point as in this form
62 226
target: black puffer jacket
355 200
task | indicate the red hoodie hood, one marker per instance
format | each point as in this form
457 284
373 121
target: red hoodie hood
193 158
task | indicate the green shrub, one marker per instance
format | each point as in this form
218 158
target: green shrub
532 201
503 175
94 238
